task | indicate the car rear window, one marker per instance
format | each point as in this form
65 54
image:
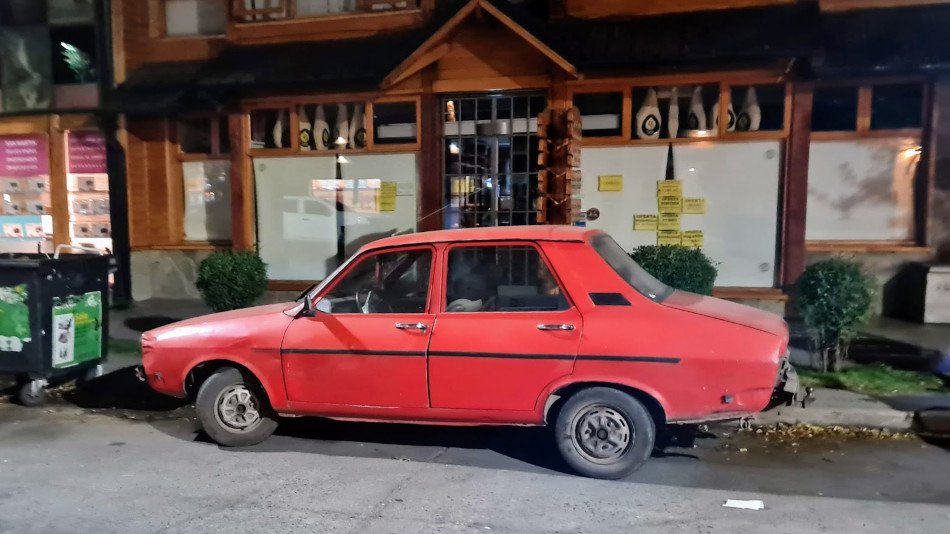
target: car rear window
629 270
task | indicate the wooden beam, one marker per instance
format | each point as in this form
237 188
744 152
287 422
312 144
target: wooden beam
795 186
242 184
864 109
492 83
617 8
406 70
324 28
431 193
117 23
59 196
848 5
926 182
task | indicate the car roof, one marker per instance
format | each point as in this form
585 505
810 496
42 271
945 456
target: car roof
488 233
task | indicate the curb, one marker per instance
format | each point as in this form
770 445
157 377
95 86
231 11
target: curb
893 420
833 407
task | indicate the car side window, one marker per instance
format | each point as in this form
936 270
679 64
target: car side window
508 278
391 282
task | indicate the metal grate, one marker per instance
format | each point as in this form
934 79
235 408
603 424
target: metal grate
490 163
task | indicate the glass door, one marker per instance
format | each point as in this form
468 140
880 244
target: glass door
490 163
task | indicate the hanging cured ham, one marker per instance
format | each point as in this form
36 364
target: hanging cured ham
341 132
648 117
673 115
697 116
750 117
321 129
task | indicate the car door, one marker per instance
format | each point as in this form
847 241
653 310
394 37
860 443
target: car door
366 344
506 328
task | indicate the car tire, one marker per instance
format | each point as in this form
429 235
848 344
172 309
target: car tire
233 409
30 395
604 433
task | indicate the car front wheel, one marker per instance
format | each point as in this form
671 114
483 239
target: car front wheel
233 410
604 433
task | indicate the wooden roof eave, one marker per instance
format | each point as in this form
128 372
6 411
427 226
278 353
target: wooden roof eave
435 47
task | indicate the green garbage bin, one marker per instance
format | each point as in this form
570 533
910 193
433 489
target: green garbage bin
54 319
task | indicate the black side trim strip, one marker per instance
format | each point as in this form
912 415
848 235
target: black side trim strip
453 354
586 357
496 355
355 352
648 359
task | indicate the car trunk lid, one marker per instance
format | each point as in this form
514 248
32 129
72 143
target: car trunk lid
728 311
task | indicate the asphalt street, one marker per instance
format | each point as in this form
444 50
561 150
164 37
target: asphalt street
81 465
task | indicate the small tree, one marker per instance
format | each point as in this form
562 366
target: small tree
834 297
231 280
678 266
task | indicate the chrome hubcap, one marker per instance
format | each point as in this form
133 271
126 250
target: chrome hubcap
602 434
238 409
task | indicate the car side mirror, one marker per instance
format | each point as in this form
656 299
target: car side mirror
311 310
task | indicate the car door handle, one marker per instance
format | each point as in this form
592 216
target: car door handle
412 326
555 327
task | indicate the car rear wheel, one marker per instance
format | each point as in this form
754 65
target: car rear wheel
233 409
604 433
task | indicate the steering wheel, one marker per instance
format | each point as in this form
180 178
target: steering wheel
372 302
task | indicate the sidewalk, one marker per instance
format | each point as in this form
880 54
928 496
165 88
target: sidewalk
156 309
835 407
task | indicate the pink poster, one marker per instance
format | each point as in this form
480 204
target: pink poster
24 156
87 152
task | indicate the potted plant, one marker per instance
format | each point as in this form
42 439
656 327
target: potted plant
834 297
677 266
231 280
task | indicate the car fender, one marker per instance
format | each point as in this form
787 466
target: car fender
272 383
548 395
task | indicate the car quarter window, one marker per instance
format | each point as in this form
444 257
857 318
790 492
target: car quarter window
500 278
390 282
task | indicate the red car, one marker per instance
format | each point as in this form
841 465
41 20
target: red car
543 325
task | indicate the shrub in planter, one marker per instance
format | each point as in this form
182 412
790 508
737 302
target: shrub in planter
677 266
834 297
231 280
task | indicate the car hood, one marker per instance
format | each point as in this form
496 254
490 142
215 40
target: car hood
230 322
728 311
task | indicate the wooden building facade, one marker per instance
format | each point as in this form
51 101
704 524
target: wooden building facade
783 130
55 62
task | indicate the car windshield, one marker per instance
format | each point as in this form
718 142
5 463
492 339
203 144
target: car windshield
629 270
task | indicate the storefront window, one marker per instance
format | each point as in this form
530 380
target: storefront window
88 185
664 112
897 106
195 17
313 212
835 109
194 136
26 223
270 128
394 123
48 55
335 126
207 189
758 107
862 189
601 113
25 68
737 232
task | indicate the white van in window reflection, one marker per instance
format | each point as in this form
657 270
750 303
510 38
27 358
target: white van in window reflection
314 219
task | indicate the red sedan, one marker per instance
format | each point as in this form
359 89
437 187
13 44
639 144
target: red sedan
544 325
